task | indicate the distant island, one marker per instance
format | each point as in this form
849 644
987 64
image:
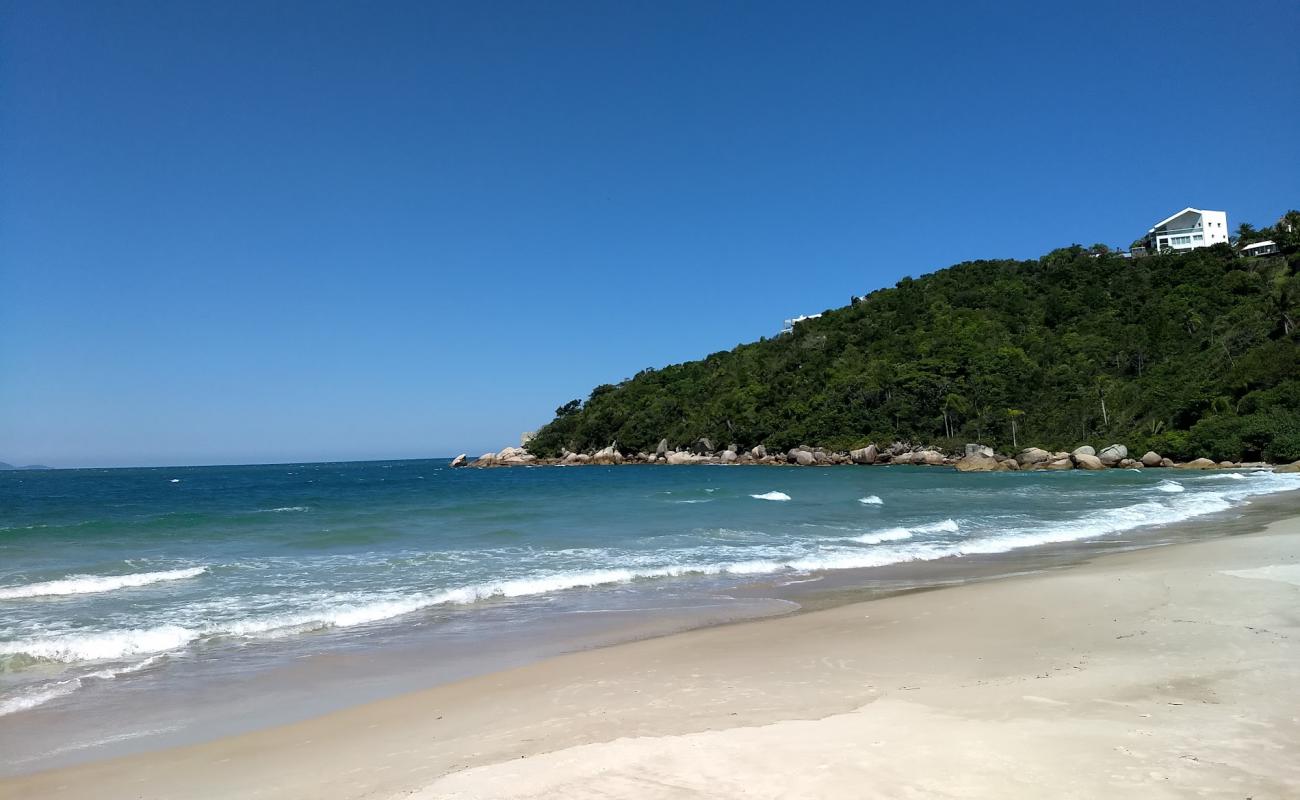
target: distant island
4 466
1189 355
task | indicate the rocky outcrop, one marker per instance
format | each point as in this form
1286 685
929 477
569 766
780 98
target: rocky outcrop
931 458
865 455
1085 450
461 460
607 455
1057 461
1112 455
1031 456
979 462
662 449
759 452
1087 461
979 450
1294 466
801 456
1199 463
1151 459
729 457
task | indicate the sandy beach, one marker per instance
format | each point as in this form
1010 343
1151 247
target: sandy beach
1168 672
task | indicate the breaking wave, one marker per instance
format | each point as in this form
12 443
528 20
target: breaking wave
771 496
90 584
871 500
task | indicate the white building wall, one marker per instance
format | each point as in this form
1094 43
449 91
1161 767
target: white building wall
1189 230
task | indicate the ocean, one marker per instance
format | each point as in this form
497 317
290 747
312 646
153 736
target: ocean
141 607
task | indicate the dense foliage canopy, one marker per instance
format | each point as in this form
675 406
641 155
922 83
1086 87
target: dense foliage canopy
1190 355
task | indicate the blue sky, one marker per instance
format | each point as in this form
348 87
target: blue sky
244 231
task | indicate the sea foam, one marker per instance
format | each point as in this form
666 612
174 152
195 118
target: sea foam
871 500
90 584
771 496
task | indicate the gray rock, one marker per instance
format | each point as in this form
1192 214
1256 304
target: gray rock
865 455
729 456
1031 456
662 448
1085 450
978 462
1199 463
1087 461
460 460
1294 466
759 452
979 450
1151 459
1113 454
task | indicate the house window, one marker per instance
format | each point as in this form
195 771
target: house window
1197 237
1181 240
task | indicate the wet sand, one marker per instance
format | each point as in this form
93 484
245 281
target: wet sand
1167 672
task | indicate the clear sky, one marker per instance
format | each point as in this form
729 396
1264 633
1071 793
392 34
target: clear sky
251 231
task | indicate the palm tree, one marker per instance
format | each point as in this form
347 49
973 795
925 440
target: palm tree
1014 414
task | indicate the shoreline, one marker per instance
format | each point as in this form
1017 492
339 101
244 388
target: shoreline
753 678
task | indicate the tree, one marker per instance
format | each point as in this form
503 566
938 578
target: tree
952 404
1014 414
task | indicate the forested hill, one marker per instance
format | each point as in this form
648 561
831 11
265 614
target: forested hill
1189 355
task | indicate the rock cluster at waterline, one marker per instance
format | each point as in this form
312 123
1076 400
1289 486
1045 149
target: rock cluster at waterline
975 458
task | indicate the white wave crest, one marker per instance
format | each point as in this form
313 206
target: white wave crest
891 535
871 500
90 584
102 645
1173 487
771 496
282 510
899 534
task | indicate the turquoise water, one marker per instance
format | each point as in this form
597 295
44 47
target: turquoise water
131 577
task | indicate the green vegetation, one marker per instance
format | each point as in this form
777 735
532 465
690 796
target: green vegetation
1189 355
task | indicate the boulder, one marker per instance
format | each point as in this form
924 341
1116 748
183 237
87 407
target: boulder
729 456
1010 464
978 462
607 455
865 455
1112 455
804 458
1167 462
680 457
703 445
759 452
662 449
1151 459
1086 450
1087 461
1057 462
1031 456
979 450
1227 464
460 460
1294 466
512 456
1129 463
932 458
1199 463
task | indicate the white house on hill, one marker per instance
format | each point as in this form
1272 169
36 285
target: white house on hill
1188 229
